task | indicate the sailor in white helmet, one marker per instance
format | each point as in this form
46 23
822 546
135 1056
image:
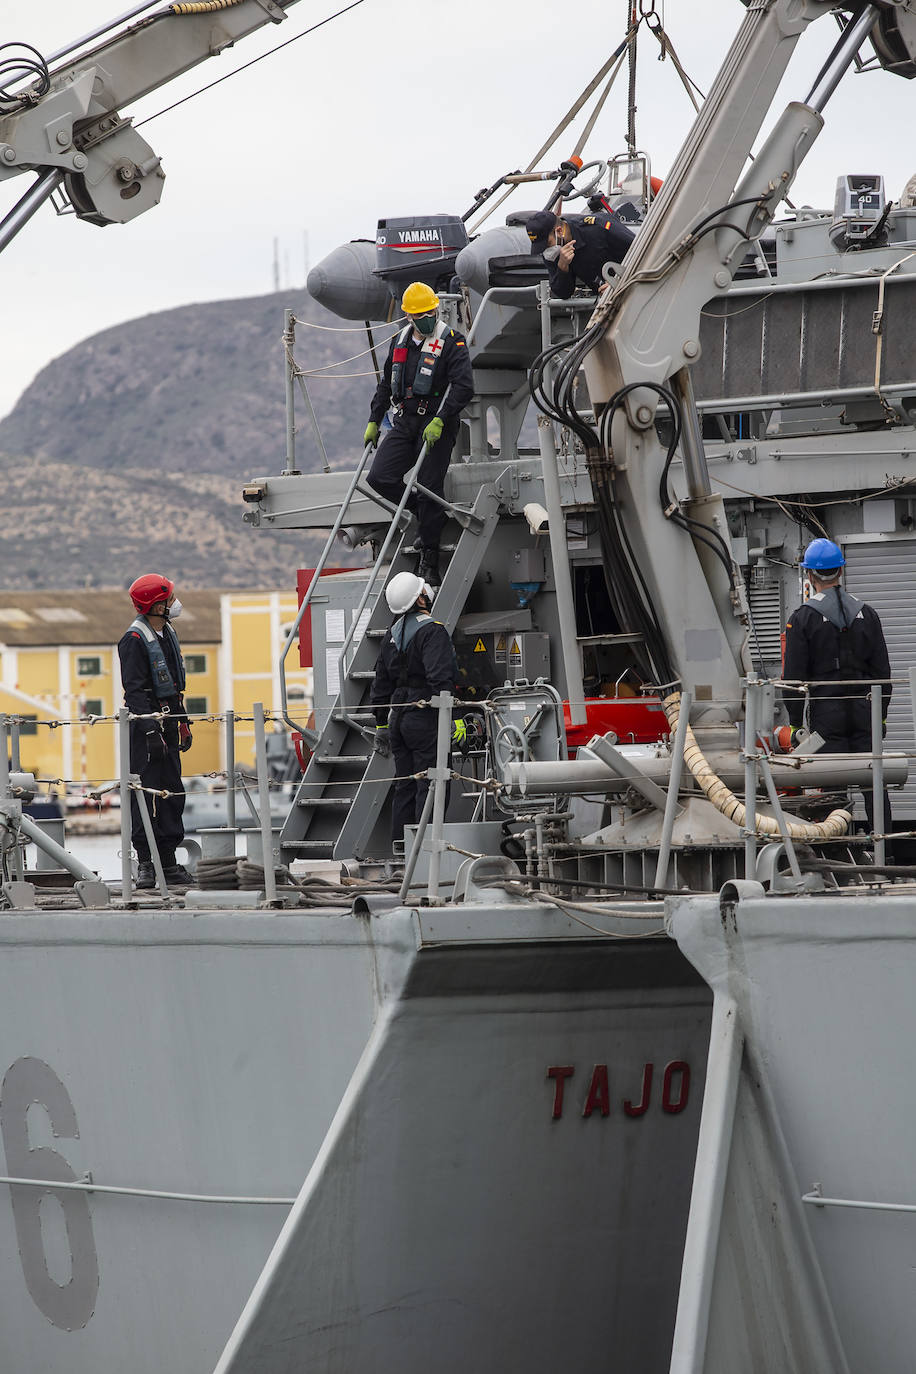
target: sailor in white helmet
417 660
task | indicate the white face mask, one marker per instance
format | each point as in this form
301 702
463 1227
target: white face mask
175 609
551 254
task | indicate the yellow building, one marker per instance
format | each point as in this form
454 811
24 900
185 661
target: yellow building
59 675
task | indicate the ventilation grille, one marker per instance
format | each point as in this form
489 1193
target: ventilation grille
765 601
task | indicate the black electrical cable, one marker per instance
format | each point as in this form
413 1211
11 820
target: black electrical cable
26 63
625 583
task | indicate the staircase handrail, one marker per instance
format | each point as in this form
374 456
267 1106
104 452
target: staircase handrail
311 736
368 591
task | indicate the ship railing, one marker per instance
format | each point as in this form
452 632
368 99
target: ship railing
496 296
18 787
759 760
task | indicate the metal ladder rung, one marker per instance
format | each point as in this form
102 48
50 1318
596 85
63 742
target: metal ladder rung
326 801
361 675
358 716
342 758
310 846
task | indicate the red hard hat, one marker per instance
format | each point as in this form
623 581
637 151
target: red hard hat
149 589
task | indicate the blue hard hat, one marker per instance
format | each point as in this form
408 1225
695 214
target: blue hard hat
822 555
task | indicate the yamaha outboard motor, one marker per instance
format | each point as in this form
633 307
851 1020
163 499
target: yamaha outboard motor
420 248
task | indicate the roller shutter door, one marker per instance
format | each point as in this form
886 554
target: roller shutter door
884 575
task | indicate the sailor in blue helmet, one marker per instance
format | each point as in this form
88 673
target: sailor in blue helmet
835 638
153 677
577 247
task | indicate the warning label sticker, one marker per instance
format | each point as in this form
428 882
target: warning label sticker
480 647
501 649
515 653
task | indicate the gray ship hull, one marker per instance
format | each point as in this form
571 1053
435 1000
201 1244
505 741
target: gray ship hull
807 1096
489 1116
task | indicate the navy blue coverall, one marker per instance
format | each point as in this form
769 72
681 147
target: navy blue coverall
834 636
598 239
400 449
157 770
426 665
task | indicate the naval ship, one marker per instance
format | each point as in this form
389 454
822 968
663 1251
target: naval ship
559 1087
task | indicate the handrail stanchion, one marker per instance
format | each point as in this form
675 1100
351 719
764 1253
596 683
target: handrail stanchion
766 773
267 839
230 770
750 780
123 779
154 854
5 791
878 819
15 753
4 756
440 777
417 845
289 340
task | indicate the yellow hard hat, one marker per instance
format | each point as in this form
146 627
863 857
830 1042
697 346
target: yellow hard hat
418 299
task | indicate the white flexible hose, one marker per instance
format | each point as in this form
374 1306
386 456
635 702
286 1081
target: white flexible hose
836 824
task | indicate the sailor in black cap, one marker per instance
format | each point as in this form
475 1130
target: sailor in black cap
577 247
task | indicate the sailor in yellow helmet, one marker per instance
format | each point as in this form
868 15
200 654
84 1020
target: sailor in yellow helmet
424 359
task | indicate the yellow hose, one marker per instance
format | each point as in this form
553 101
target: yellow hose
203 6
837 823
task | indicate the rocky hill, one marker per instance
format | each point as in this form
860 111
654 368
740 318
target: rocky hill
129 451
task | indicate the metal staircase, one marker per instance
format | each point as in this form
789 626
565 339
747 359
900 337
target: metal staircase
342 793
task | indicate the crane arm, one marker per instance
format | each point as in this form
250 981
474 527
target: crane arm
74 131
647 329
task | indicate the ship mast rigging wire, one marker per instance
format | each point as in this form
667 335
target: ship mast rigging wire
649 16
245 65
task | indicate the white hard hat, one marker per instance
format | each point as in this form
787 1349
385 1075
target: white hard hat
402 592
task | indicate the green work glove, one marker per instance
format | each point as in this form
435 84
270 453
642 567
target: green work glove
432 432
371 434
459 732
381 744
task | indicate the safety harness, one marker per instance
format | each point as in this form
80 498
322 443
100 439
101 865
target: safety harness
163 683
841 611
402 635
430 353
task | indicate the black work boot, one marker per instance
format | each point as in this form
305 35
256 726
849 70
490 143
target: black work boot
428 567
146 874
176 875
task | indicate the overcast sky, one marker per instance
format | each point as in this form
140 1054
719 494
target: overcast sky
391 109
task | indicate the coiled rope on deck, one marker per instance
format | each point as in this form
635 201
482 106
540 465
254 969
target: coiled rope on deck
725 801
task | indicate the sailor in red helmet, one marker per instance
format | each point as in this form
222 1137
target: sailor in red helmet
153 677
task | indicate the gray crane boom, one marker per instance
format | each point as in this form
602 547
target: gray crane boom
693 241
75 132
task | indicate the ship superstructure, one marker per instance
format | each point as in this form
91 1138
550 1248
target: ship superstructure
565 1083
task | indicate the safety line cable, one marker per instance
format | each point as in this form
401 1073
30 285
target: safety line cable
345 328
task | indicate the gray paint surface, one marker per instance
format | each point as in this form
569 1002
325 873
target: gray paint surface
823 988
200 1054
450 1221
